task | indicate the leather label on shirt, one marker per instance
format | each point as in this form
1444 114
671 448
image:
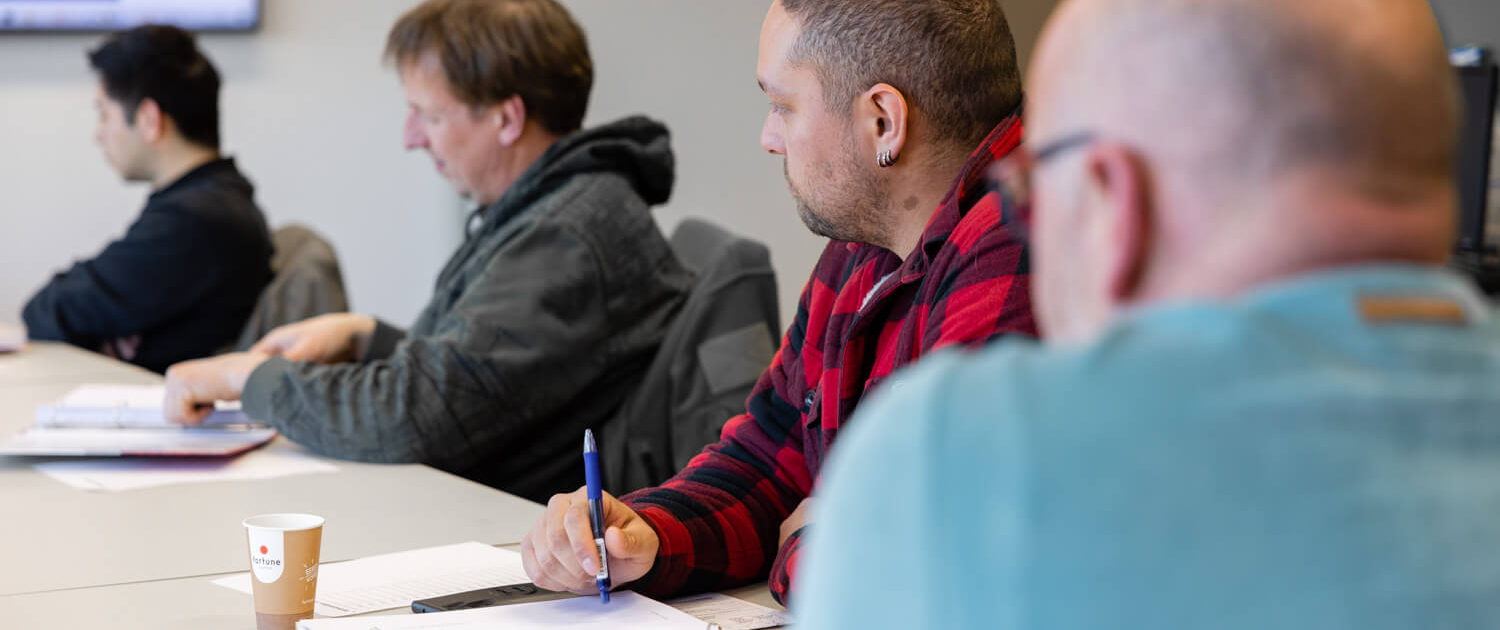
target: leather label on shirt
1412 310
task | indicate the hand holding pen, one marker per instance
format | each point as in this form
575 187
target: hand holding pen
560 552
594 489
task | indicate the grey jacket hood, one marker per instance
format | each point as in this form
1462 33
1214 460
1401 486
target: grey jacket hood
637 148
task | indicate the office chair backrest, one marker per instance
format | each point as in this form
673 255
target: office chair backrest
720 343
306 283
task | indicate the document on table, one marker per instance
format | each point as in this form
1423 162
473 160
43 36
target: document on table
731 613
127 420
394 580
125 406
183 442
115 475
625 611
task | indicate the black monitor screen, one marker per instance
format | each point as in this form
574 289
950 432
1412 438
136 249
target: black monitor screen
1475 167
112 15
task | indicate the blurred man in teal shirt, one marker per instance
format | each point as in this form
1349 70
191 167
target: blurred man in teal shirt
1262 402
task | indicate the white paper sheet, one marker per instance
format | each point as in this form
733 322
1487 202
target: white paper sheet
394 580
108 396
124 406
731 613
114 475
625 611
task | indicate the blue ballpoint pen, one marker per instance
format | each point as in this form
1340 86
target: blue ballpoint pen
596 510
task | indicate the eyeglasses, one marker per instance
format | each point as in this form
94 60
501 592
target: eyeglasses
1011 179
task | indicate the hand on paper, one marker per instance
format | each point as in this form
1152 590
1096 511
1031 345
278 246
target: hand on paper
559 555
194 386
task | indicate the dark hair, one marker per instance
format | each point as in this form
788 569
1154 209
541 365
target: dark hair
162 63
492 50
954 59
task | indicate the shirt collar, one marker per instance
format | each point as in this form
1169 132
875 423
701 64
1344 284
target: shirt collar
969 187
202 171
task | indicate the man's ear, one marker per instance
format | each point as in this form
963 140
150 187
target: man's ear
881 114
1119 183
149 121
509 118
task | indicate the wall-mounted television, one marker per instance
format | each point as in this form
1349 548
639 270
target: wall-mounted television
114 15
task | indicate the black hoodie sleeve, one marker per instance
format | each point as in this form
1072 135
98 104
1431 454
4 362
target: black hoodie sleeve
133 285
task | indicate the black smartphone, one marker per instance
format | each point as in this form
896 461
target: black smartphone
486 597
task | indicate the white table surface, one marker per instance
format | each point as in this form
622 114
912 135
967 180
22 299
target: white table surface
145 559
62 363
184 604
55 537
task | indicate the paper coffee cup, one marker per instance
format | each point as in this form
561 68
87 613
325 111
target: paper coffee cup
283 567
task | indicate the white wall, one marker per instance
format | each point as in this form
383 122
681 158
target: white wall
1469 21
315 120
310 114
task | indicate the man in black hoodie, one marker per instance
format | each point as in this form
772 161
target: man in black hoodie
184 278
546 316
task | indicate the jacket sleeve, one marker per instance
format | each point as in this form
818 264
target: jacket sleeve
785 566
135 284
520 340
719 518
383 341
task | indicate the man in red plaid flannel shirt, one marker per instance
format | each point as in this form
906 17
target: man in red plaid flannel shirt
888 113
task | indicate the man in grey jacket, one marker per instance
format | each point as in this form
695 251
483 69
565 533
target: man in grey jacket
547 315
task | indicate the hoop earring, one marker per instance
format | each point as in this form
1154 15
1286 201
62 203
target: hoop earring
885 159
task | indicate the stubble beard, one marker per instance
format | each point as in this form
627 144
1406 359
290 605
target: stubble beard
851 205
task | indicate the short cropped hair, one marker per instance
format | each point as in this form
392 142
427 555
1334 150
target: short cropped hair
492 50
164 64
954 59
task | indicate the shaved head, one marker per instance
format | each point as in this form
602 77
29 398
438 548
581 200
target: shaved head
1234 143
1239 88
